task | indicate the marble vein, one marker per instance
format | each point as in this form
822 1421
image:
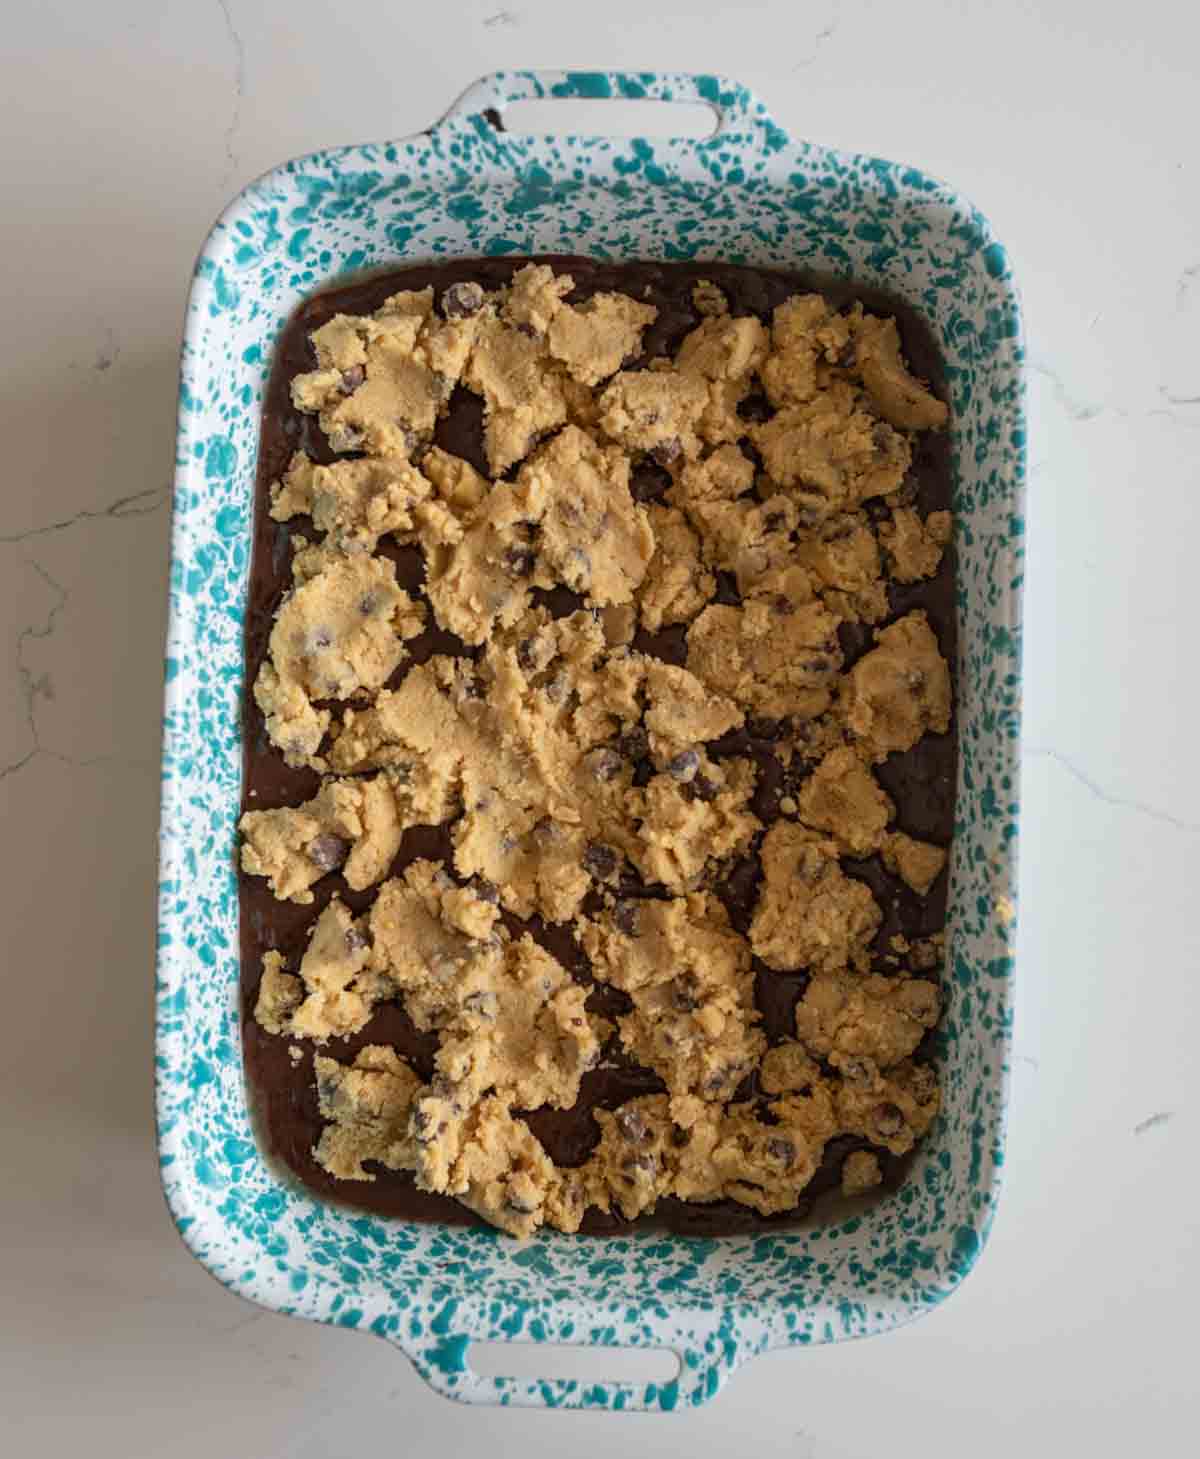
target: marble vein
1186 282
1077 409
135 504
826 33
1153 813
31 687
1163 1117
239 89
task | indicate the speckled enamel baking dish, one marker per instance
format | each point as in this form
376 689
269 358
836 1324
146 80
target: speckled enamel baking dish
748 194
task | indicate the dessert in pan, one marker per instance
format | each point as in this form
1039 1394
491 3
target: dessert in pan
599 752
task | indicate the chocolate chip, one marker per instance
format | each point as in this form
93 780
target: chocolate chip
680 1137
527 330
780 1149
601 861
634 744
352 379
683 997
856 1071
344 438
520 561
740 885
423 1124
883 436
783 605
328 852
647 482
848 356
577 570
632 1125
484 890
701 788
727 590
755 407
356 939
483 1003
461 300
889 1119
525 654
667 451
642 1161
718 1081
368 603
773 521
816 665
319 638
626 916
684 766
605 764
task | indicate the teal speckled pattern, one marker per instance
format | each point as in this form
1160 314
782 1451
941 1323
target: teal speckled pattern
748 194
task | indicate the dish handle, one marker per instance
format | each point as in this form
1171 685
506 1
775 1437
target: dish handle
706 1358
738 111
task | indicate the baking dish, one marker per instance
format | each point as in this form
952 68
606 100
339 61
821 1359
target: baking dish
747 194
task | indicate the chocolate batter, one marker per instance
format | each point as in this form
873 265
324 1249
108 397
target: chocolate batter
920 781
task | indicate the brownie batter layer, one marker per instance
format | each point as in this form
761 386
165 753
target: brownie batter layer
920 781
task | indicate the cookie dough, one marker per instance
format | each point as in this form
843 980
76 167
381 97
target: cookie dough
777 657
865 1017
676 585
342 630
336 989
917 862
810 914
842 797
861 1172
368 1105
351 826
382 381
355 502
654 574
900 690
833 448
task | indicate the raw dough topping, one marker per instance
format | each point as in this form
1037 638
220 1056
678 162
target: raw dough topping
350 825
900 690
636 695
368 1105
810 913
340 631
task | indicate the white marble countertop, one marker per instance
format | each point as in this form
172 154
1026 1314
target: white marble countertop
1073 125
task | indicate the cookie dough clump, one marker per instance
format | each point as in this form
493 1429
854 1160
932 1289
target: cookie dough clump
602 671
342 630
810 913
900 690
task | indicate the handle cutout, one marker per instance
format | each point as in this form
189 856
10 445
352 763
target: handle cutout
618 117
572 1361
